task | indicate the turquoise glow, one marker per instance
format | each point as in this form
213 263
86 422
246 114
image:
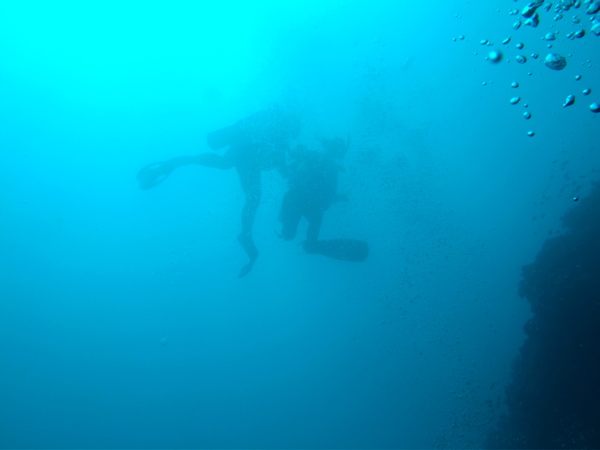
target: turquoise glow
102 52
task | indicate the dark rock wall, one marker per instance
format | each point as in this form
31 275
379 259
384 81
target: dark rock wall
553 399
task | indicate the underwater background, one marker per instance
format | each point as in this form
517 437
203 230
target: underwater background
122 321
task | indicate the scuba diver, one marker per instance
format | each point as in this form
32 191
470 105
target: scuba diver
312 188
256 143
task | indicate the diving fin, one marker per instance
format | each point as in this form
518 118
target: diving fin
152 175
343 249
246 269
245 239
155 173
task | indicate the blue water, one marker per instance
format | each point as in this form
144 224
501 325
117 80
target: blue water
122 321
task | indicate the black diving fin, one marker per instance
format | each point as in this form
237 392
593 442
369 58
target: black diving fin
343 249
155 173
152 175
245 239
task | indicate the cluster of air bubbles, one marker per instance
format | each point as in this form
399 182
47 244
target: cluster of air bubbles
533 15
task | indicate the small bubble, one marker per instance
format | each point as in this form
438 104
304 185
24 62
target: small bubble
569 101
495 56
531 133
527 115
575 198
515 100
587 91
578 77
514 84
533 21
529 10
520 45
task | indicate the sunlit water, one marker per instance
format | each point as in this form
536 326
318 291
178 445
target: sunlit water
122 321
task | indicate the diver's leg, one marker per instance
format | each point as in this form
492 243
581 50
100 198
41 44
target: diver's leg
289 216
154 174
315 219
250 180
225 161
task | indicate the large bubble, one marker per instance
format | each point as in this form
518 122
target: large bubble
555 61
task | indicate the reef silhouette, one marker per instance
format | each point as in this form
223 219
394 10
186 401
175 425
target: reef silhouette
553 400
